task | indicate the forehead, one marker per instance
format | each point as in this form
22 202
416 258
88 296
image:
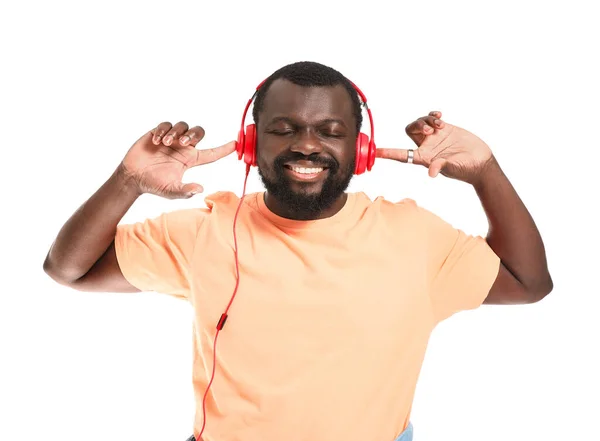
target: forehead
285 98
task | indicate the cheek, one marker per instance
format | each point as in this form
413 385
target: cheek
263 164
264 149
262 154
267 152
349 155
265 157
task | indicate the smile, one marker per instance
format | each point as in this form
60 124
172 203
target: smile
305 173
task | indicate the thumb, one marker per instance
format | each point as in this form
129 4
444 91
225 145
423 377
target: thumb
210 155
436 167
186 191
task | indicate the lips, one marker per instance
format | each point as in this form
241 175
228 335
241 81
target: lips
305 168
304 164
304 173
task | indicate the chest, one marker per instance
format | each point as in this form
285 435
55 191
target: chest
315 294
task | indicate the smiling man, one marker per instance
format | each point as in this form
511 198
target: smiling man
306 178
322 301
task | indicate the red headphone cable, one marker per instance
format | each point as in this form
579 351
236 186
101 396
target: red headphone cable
224 316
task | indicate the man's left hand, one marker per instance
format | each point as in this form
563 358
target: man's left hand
444 148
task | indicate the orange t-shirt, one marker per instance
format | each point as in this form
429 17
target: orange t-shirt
327 333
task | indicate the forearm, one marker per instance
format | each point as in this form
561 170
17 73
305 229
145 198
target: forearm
90 230
512 234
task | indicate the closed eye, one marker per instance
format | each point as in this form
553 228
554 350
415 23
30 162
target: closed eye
280 132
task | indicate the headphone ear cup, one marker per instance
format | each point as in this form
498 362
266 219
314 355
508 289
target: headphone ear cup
250 145
372 155
239 146
362 153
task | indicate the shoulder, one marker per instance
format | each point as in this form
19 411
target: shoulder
385 206
402 210
388 214
219 199
224 204
216 204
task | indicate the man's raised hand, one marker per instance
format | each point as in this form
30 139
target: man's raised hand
156 163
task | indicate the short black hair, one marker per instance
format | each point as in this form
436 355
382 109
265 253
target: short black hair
309 74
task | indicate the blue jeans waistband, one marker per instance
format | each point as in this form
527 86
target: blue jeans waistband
406 435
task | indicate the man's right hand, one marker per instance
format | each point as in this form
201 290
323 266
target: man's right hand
157 161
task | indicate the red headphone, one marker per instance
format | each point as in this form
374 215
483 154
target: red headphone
365 146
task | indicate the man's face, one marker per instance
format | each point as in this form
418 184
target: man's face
306 145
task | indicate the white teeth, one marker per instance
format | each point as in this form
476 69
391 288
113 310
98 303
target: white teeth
307 170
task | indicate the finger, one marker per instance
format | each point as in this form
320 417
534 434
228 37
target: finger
437 119
436 167
192 136
183 191
423 125
397 154
189 190
176 131
159 132
419 127
210 155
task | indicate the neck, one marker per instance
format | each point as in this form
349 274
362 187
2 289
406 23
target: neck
289 213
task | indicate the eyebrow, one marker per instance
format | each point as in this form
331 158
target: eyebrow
318 123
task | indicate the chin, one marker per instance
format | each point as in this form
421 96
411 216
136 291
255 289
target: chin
305 189
308 197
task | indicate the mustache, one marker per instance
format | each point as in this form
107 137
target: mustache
315 159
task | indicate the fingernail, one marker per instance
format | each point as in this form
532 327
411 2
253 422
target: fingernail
184 139
438 122
167 140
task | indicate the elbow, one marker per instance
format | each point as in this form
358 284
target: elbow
541 290
59 276
49 269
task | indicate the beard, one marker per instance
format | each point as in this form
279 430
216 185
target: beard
306 204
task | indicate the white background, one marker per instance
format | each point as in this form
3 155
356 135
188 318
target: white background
82 81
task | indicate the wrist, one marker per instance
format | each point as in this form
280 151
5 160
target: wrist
126 182
489 173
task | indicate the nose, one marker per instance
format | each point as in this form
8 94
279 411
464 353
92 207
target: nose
307 143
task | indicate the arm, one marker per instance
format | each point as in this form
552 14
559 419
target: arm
449 150
83 255
514 237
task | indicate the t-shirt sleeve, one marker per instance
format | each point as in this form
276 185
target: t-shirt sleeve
461 268
156 254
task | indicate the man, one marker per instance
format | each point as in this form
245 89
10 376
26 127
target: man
330 297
